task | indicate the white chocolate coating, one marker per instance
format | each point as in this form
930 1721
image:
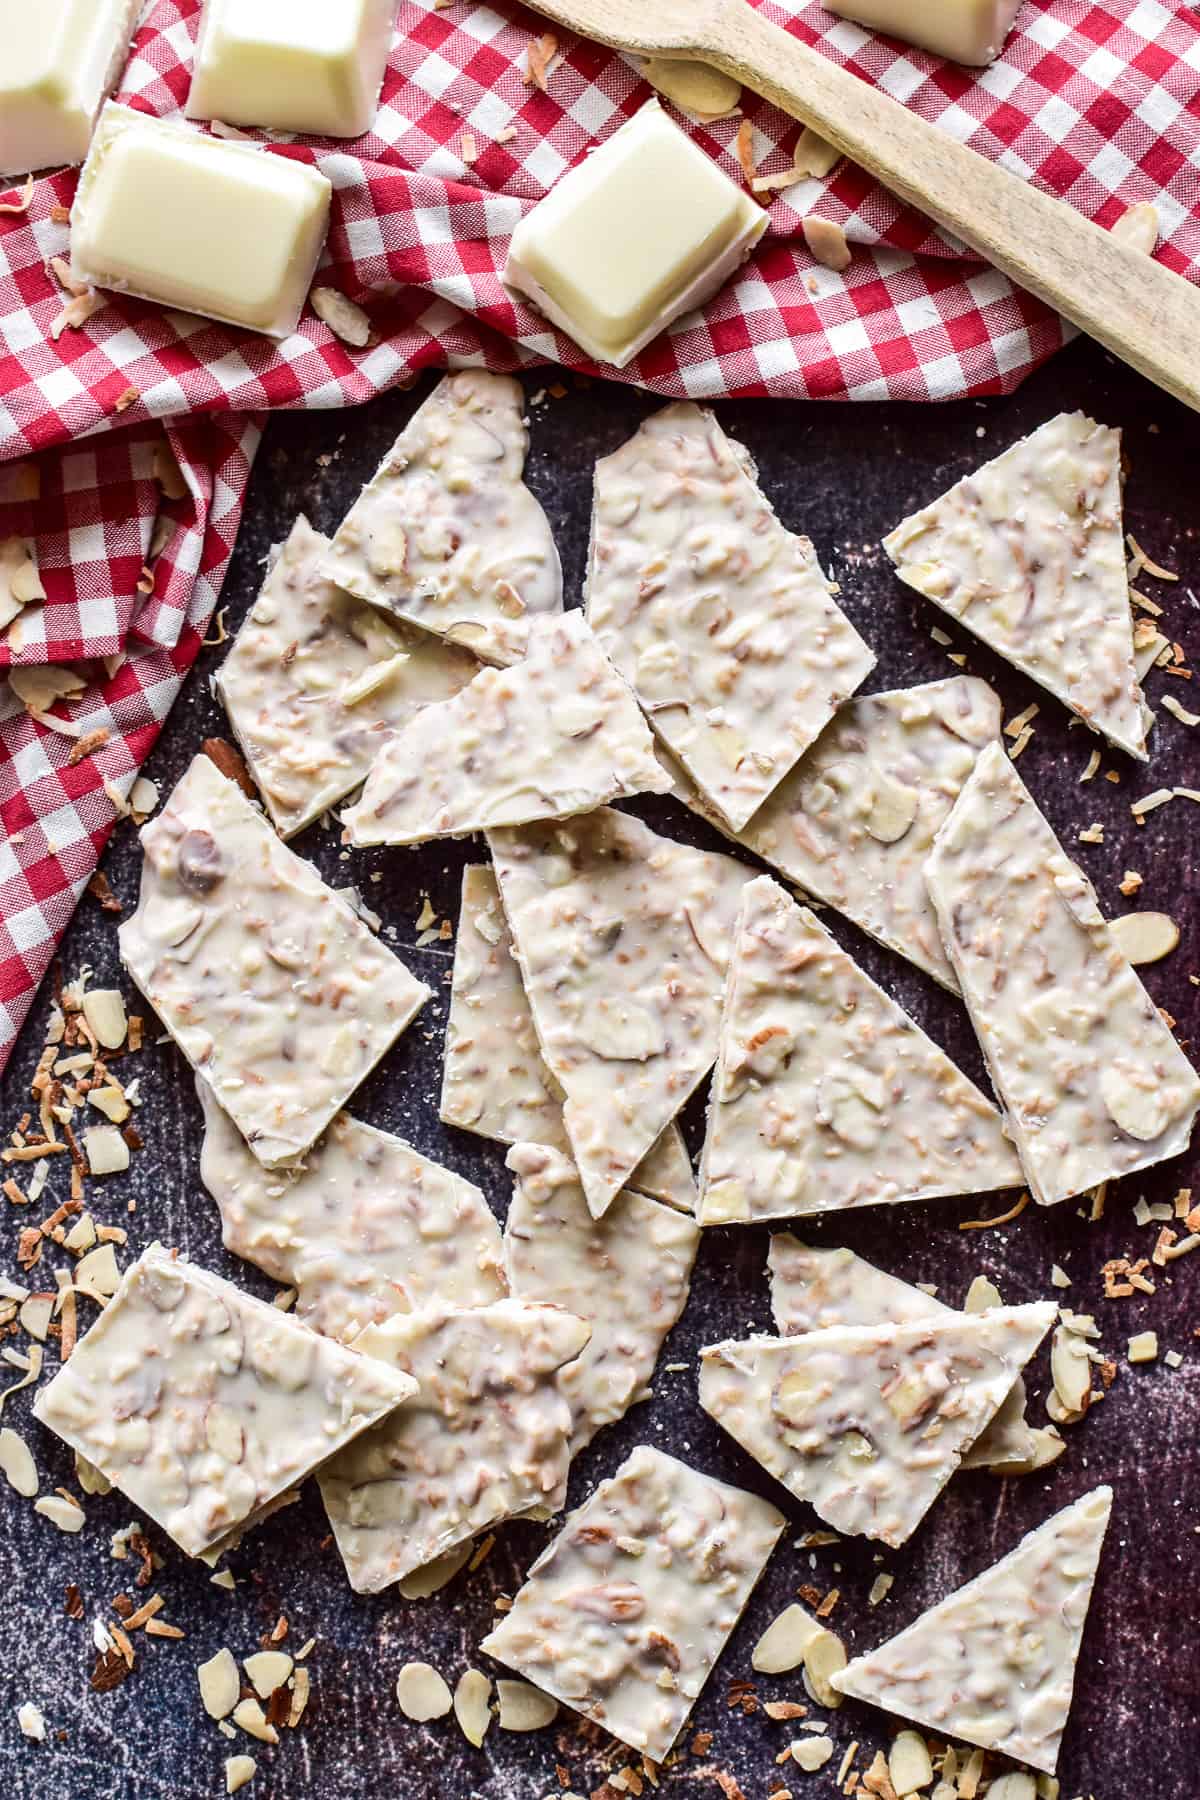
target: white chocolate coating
204 1406
485 1440
1093 1082
60 59
446 534
719 619
271 986
366 1228
869 1422
305 66
1029 554
966 31
494 1081
855 820
623 939
826 1095
556 734
624 1615
995 1662
627 1274
316 682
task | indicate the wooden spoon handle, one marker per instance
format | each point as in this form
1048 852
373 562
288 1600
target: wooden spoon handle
1145 313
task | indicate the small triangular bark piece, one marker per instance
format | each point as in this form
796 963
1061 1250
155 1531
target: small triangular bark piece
366 1228
486 1438
623 939
826 1095
446 534
720 620
494 1081
869 1422
556 734
994 1663
854 821
627 1274
1092 1078
316 681
1029 554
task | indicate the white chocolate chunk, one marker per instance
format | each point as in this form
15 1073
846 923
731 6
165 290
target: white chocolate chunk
205 1406
494 1081
446 535
826 1095
869 1422
271 986
367 1228
172 215
624 1615
305 67
833 825
995 1662
622 938
720 620
1094 1084
556 734
316 682
965 31
627 1274
636 234
485 1440
60 59
1029 554
812 1289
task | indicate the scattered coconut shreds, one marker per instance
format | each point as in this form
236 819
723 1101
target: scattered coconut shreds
77 312
346 320
1016 726
524 1708
1022 742
827 242
1179 711
129 397
90 742
1150 802
29 1716
60 268
238 1771
1131 883
743 148
469 149
167 472
421 1692
24 203
42 684
1014 1212
1153 569
1143 1347
1092 834
542 52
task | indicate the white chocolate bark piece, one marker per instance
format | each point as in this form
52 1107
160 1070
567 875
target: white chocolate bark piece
965 31
316 682
623 941
446 534
826 1095
205 1406
226 229
624 1615
869 1422
271 986
855 820
58 61
485 1439
1029 554
995 1662
304 66
366 1228
627 1274
812 1289
641 231
1093 1082
556 734
720 620
494 1081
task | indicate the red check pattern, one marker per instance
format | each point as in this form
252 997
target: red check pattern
1100 103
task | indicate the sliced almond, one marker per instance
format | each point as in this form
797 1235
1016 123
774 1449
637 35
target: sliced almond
694 87
893 809
89 1477
220 1684
1145 937
66 1514
814 156
824 1656
1016 1785
98 1271
422 1693
40 685
524 1708
982 1296
909 1765
1141 1113
17 1464
827 241
374 677
267 1669
1071 1370
238 1771
251 1718
106 1150
346 320
472 1705
1137 227
812 1753
432 1577
783 1644
143 798
35 1315
104 1010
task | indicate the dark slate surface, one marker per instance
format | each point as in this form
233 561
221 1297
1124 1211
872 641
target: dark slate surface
844 476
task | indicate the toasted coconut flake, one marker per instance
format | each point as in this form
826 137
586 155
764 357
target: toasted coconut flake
744 150
1005 1218
541 54
77 312
19 206
524 1708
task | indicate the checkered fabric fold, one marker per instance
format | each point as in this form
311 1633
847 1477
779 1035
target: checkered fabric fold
1099 103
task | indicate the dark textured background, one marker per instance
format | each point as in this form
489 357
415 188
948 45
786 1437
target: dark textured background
844 475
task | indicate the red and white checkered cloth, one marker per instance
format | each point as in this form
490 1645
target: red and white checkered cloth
1099 103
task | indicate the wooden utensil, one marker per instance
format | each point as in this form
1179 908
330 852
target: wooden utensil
1143 312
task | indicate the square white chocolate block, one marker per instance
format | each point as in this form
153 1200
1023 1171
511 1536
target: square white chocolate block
485 1440
313 66
964 31
641 231
364 1228
224 229
207 1407
624 1615
1094 1084
995 1662
58 61
273 988
316 682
